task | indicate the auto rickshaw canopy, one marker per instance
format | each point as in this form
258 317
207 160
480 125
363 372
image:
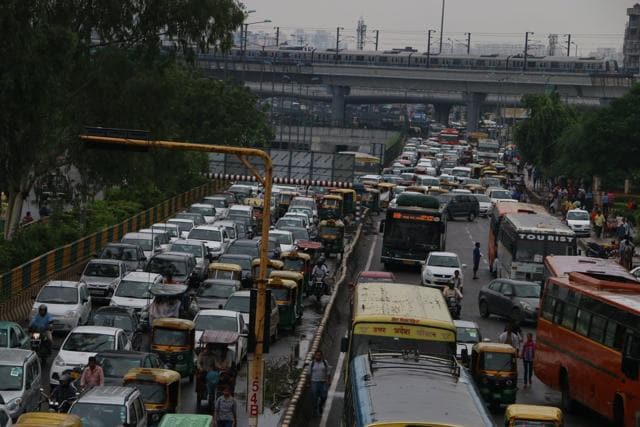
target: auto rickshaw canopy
494 347
274 264
225 267
173 323
533 413
277 282
295 254
287 275
161 376
33 419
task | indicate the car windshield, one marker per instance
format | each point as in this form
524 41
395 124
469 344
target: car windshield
578 216
244 263
443 261
173 231
196 218
243 250
467 335
151 392
195 250
299 233
204 234
145 244
216 290
218 323
237 303
202 210
500 194
118 367
87 342
182 225
170 337
218 203
528 291
58 295
120 253
295 264
497 361
100 415
282 239
162 266
95 269
114 320
11 377
289 222
482 198
131 289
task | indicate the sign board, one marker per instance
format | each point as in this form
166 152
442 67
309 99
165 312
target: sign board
255 390
416 332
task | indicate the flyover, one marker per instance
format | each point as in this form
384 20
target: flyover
443 88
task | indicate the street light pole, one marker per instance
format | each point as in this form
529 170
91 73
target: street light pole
429 47
526 49
568 44
441 26
277 37
338 42
468 43
377 34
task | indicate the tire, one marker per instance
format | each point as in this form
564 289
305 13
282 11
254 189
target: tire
484 309
472 216
566 402
516 315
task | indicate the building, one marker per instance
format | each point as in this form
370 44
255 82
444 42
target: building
631 48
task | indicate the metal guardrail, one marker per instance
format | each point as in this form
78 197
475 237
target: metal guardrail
18 285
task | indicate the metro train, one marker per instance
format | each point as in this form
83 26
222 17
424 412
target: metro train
408 57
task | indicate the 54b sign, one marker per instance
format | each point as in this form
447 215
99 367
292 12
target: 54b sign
255 390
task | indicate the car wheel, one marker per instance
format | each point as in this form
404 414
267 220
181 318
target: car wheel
484 309
471 217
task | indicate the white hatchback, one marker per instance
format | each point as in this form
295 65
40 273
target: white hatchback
133 290
68 303
439 269
224 320
579 221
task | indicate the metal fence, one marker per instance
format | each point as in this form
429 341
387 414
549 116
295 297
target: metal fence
20 284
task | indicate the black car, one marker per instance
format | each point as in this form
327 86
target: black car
213 294
244 247
116 363
462 205
244 261
132 255
179 265
273 250
516 300
120 317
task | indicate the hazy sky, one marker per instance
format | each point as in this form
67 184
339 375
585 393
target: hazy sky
404 22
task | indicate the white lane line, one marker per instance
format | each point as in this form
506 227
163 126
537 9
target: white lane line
340 363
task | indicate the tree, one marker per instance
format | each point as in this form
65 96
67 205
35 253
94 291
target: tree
51 56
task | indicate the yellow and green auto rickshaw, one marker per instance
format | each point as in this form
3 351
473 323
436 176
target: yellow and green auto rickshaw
46 419
272 264
288 297
348 199
225 271
186 420
386 193
299 262
295 276
331 234
476 169
173 341
160 390
494 368
371 199
331 207
284 200
519 415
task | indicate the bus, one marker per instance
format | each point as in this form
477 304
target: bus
414 226
588 344
394 316
599 268
488 150
395 389
500 209
364 163
524 241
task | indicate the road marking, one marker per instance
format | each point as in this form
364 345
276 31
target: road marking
370 259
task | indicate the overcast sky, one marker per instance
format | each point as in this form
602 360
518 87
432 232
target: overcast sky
403 22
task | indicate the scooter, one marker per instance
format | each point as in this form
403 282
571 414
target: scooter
40 345
453 304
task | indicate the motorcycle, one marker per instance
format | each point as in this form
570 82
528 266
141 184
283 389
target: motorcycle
318 288
60 406
40 345
453 304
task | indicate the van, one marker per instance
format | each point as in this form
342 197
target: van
111 406
21 378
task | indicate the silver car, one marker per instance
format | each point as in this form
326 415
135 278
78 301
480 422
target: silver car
513 299
102 277
21 377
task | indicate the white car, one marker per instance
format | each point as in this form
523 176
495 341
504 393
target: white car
485 204
306 202
284 238
224 320
133 290
467 334
68 303
102 277
439 268
220 203
84 342
579 221
499 194
206 210
184 225
171 229
214 238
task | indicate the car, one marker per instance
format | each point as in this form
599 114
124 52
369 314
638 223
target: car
116 363
244 261
241 191
305 202
133 290
13 336
171 229
179 265
21 375
224 320
206 210
439 268
226 195
220 203
132 255
299 233
5 416
111 406
243 212
68 303
284 239
163 237
273 248
484 204
467 334
230 226
215 239
199 250
102 277
120 317
240 301
184 226
499 193
290 221
198 218
516 300
370 276
213 293
245 247
83 342
579 221
149 242
462 205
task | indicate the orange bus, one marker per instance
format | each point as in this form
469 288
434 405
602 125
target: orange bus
500 209
599 268
588 345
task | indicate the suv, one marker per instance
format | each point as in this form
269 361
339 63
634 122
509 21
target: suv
180 265
21 377
214 238
111 406
462 205
102 277
132 255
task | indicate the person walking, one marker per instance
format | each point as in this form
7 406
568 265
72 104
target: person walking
511 338
319 371
599 225
226 409
528 354
476 259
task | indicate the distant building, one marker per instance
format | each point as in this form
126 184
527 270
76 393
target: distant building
631 48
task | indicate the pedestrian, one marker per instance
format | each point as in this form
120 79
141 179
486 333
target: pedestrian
528 354
599 225
92 376
476 259
319 371
511 338
27 218
226 409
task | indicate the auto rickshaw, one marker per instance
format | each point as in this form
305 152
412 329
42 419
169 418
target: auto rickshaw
299 262
476 168
54 419
348 199
331 233
494 368
226 271
386 193
371 200
517 415
422 189
330 207
160 390
272 264
173 341
475 188
284 200
217 338
288 296
258 209
186 420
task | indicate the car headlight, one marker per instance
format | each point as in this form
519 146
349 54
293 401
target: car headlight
180 357
58 361
71 313
509 383
526 306
14 404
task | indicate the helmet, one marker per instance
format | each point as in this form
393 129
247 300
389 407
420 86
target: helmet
65 379
321 260
43 307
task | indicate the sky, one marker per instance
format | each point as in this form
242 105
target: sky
593 23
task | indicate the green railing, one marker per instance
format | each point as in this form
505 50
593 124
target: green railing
21 283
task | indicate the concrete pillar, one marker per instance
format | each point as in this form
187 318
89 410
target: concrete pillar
442 112
338 94
474 101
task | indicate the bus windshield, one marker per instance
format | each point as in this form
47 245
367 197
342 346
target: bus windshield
362 344
421 235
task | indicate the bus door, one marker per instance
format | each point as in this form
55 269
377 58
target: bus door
631 356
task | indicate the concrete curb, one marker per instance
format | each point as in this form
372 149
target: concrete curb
292 406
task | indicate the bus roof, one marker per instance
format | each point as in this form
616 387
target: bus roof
401 303
603 269
425 390
502 209
539 223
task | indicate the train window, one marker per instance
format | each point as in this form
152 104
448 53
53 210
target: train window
480 63
359 57
435 61
457 62
382 59
285 54
531 64
578 65
555 65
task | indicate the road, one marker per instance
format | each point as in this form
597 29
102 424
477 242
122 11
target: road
461 236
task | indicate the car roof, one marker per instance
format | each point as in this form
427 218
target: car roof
245 242
14 355
179 220
451 254
465 324
100 330
218 312
136 235
164 224
208 227
105 261
173 255
201 205
236 256
62 284
106 394
123 354
120 245
244 294
192 242
141 276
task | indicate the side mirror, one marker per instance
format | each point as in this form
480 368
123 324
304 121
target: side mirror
465 356
143 258
344 344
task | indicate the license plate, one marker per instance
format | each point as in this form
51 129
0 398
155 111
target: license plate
96 291
408 262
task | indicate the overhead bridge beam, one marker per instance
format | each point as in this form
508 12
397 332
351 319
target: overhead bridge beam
285 181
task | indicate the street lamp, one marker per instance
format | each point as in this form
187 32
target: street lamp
429 47
526 49
441 26
246 31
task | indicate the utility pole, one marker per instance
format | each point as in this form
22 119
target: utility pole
568 44
441 26
277 36
361 34
246 35
338 42
468 43
526 49
429 47
377 34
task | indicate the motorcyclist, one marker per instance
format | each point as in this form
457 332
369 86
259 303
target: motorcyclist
457 281
451 292
215 360
41 322
320 272
64 394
